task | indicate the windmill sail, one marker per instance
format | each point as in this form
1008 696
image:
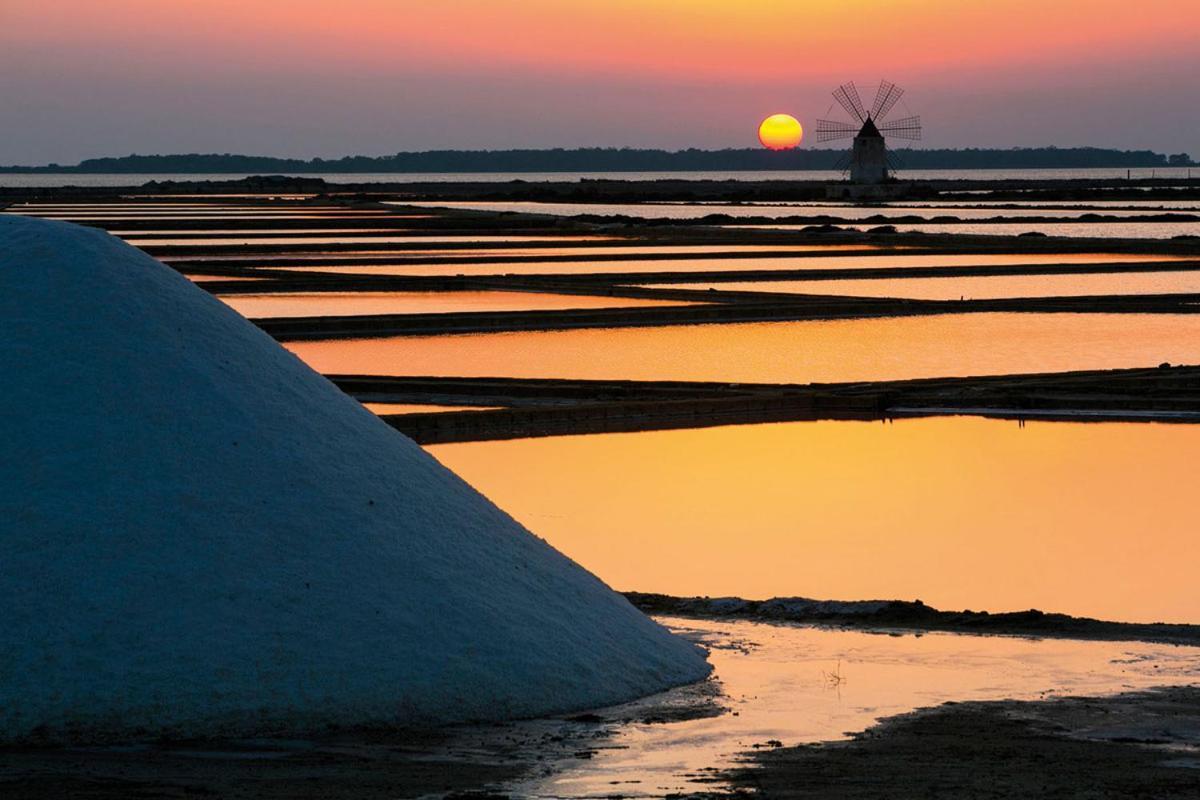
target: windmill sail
907 128
828 130
847 97
885 98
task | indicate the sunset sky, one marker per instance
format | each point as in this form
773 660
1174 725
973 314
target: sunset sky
82 78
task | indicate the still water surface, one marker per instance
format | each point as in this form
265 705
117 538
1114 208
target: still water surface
1093 519
698 210
620 247
338 238
137 179
701 263
776 678
954 288
414 408
1079 230
318 304
785 352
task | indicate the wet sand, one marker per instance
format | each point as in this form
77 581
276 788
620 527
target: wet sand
1142 745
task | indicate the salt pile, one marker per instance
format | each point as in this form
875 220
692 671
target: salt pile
199 536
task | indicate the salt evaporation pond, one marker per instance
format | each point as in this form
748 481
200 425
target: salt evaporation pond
51 179
366 241
785 352
189 216
212 212
138 240
316 304
249 233
1078 230
699 210
1178 204
415 408
622 247
959 512
777 680
974 287
703 264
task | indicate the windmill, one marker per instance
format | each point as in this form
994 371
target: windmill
868 158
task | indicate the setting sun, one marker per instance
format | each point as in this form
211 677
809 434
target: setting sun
780 132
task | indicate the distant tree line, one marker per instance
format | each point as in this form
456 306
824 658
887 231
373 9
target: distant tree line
620 160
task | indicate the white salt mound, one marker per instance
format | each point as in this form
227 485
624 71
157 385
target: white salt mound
200 536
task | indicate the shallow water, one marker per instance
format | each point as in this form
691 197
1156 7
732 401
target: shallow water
624 247
976 287
1152 205
366 241
1086 230
223 217
257 306
1090 519
412 408
698 210
198 211
785 352
976 200
846 261
137 179
783 683
1083 230
152 210
251 233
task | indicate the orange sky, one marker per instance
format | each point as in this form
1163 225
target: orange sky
547 72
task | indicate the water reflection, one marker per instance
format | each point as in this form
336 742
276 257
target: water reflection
1087 519
1085 230
351 303
365 241
786 352
670 210
776 680
976 287
412 408
622 247
700 263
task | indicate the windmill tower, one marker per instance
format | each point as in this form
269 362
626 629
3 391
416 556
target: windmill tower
868 158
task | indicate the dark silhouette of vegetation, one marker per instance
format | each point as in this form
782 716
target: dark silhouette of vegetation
618 160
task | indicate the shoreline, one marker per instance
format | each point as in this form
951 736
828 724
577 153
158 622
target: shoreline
893 616
1136 745
621 188
970 749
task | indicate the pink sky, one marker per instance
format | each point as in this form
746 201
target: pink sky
81 78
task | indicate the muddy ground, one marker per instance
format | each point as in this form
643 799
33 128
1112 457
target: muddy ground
1143 745
474 761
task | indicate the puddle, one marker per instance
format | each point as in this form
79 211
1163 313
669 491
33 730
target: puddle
794 684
